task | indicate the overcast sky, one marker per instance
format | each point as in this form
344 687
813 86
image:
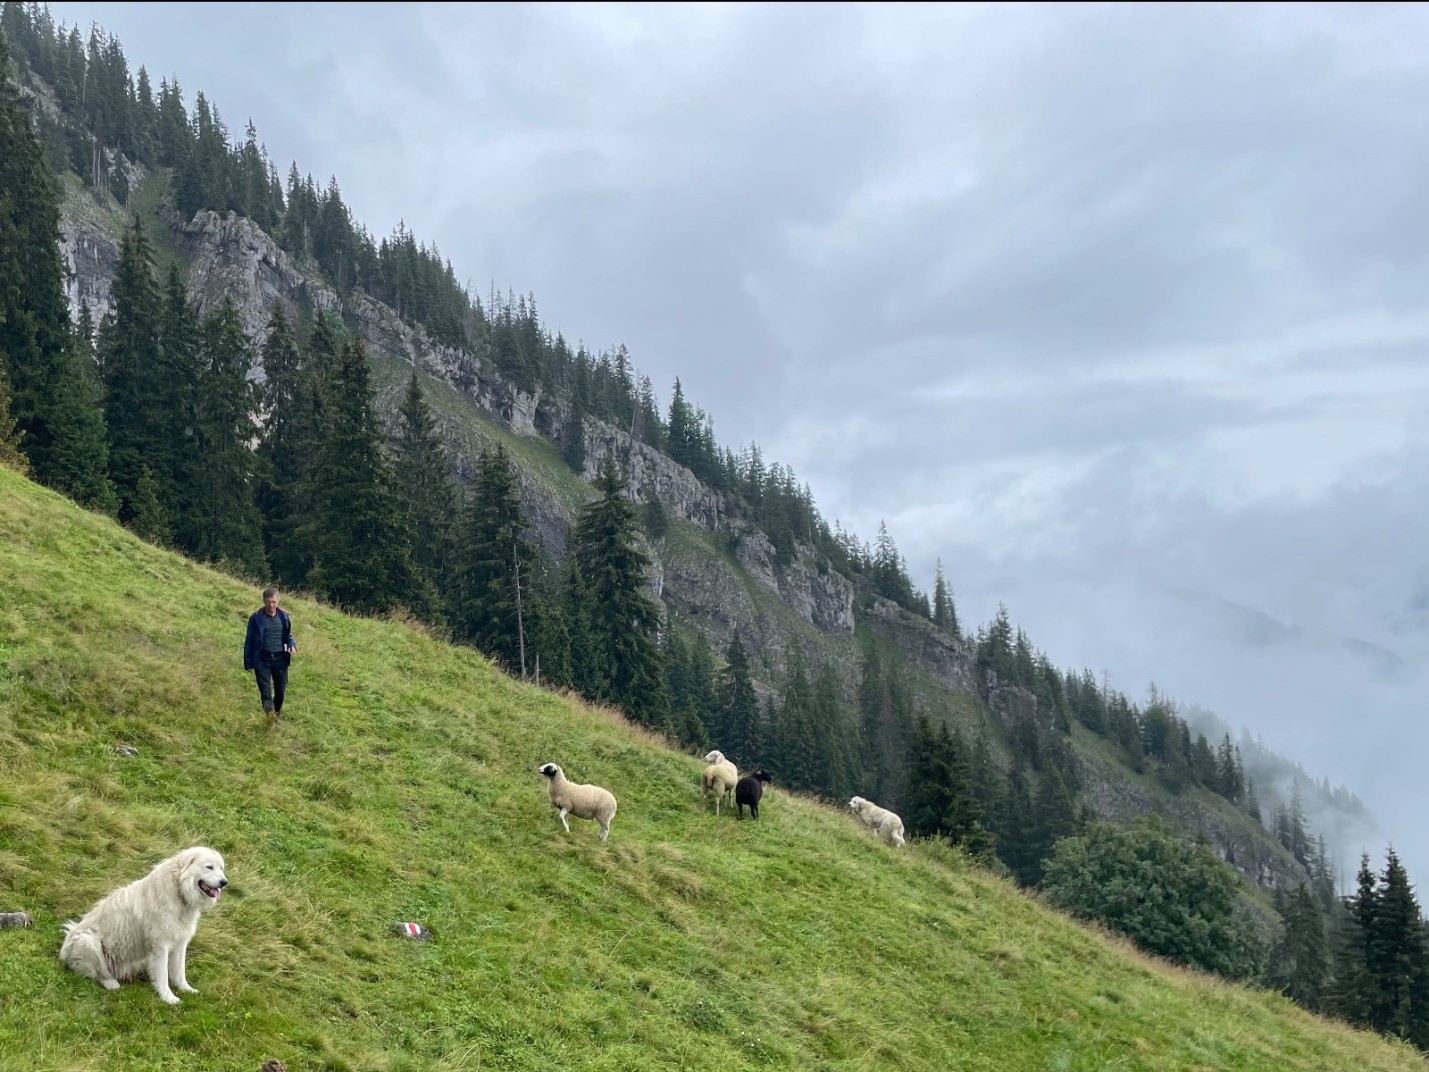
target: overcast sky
1120 311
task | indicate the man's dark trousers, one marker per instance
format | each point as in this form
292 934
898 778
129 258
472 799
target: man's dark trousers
272 672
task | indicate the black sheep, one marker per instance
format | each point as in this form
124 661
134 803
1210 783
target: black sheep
748 790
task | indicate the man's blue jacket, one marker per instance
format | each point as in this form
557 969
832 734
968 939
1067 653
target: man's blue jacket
253 643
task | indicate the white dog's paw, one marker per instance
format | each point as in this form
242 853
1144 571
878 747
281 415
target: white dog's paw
109 984
186 988
169 999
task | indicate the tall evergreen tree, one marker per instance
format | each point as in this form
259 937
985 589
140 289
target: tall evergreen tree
286 448
425 486
222 519
35 339
588 674
738 725
1299 962
138 403
945 614
624 621
1398 968
494 559
357 536
80 463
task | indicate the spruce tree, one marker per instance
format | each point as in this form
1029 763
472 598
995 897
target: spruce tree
738 733
624 621
148 518
1352 993
588 674
1398 970
689 681
35 337
494 558
425 486
80 462
223 520
288 444
1299 961
795 748
138 405
928 799
945 614
357 535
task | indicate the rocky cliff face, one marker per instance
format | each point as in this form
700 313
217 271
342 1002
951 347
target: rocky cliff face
230 256
652 476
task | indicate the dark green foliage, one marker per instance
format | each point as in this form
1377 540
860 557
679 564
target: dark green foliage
425 486
1172 899
1396 956
79 466
736 730
289 444
589 675
573 441
11 456
220 521
148 518
884 729
141 396
35 337
945 614
357 536
940 800
1381 977
494 565
689 676
1299 962
653 517
623 620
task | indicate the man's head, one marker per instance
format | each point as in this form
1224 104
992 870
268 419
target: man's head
270 599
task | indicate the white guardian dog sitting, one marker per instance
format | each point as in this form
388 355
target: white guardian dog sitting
146 926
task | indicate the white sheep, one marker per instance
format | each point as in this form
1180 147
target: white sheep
721 776
883 822
582 801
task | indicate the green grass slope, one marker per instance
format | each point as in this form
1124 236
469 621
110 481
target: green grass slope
402 785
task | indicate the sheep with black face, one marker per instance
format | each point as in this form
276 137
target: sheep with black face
583 801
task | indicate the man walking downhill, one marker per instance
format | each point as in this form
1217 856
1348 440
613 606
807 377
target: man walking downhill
267 651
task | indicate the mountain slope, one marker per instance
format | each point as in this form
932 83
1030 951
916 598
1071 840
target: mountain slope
713 577
402 786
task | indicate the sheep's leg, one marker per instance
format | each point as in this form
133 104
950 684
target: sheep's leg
604 829
563 821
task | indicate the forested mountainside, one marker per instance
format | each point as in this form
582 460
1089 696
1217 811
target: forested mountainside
236 368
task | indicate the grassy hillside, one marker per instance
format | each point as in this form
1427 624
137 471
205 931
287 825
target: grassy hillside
402 785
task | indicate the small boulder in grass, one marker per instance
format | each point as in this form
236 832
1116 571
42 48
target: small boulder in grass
126 749
15 919
412 930
274 1065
